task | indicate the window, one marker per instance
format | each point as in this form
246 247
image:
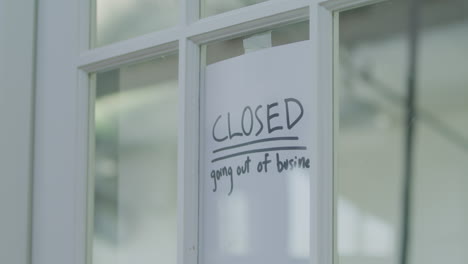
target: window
401 140
134 203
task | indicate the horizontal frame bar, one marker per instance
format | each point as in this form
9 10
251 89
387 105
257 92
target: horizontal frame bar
343 5
251 19
226 25
114 55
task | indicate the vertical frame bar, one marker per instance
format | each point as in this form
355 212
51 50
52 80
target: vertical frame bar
89 210
84 180
86 21
59 133
336 127
188 152
321 34
18 33
188 139
84 184
189 11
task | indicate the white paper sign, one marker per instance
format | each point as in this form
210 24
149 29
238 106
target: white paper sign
258 130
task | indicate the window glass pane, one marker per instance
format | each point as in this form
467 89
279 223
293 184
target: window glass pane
379 157
254 212
371 134
116 20
135 180
213 7
440 190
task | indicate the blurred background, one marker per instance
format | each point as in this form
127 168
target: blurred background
135 172
402 193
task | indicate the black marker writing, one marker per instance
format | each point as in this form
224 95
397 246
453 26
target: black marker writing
251 120
290 164
286 102
270 117
214 127
230 125
259 120
217 174
231 135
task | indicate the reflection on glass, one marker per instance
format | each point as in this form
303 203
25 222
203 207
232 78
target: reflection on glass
372 87
116 20
135 209
363 234
213 7
441 153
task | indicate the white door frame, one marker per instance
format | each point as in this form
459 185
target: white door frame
62 115
17 36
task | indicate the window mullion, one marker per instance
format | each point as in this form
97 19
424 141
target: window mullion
188 152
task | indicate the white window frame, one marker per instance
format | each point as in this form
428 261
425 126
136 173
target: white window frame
64 62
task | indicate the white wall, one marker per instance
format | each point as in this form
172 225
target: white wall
17 20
